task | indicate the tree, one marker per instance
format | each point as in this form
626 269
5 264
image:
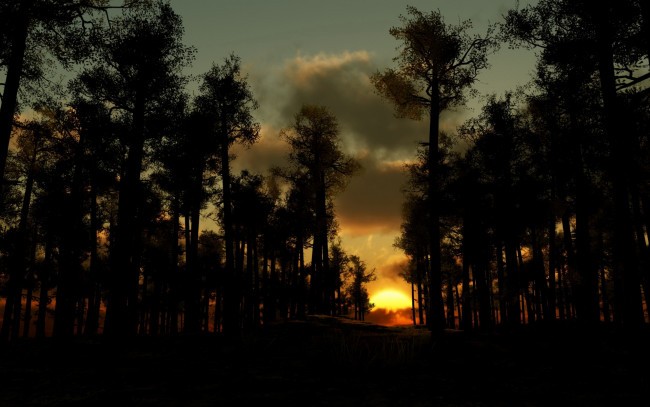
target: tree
437 63
359 276
228 103
33 27
316 154
136 71
600 38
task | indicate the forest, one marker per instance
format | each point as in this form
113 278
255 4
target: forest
541 216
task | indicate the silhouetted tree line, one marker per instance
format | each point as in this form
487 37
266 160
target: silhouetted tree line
107 185
544 216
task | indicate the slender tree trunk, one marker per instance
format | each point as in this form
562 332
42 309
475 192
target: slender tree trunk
232 290
68 293
467 260
17 265
122 309
420 273
451 320
540 293
458 305
644 250
94 300
436 315
174 276
503 308
192 295
413 301
552 265
15 64
627 282
43 298
512 284
483 291
28 308
587 289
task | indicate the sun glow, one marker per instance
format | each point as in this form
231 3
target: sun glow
390 299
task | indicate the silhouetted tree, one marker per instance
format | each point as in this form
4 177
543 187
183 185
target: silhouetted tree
359 277
316 153
32 28
599 38
228 104
436 65
136 70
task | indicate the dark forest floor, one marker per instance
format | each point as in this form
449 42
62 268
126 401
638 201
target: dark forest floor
329 362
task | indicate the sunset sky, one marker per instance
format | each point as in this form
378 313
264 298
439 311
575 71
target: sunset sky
322 52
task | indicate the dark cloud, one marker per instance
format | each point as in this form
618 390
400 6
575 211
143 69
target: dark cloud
341 82
372 201
387 317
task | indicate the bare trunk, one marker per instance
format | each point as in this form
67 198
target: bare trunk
436 318
12 81
627 284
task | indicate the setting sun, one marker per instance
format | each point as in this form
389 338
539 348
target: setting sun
390 299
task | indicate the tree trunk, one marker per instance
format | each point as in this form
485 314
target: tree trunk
436 318
467 260
586 290
512 284
43 297
17 265
94 300
552 265
232 290
627 284
451 320
122 310
503 308
12 81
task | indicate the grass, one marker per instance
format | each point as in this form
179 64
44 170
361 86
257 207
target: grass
326 361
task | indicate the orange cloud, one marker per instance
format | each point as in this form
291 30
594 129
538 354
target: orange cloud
382 316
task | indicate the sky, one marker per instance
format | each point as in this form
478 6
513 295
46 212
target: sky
299 52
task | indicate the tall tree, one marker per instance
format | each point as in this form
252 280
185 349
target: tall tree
136 70
601 39
32 27
437 63
228 104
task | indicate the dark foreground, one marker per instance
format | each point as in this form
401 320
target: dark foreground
326 362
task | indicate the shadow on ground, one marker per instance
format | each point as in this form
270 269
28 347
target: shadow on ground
333 362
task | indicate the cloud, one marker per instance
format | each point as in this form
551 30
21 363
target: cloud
340 82
372 201
371 205
382 316
393 266
269 151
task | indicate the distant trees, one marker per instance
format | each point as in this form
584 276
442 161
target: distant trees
316 158
359 277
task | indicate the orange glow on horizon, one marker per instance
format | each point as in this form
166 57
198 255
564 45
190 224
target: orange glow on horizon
391 299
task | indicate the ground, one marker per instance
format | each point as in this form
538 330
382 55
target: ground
332 362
